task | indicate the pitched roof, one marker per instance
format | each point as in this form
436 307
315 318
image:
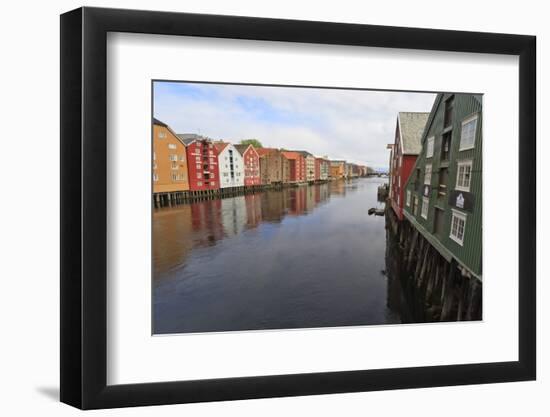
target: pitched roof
158 122
304 153
242 148
411 127
291 154
220 146
265 151
188 138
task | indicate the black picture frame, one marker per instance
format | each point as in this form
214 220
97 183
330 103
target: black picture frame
84 207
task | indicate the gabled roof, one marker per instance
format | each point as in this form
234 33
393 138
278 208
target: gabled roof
242 148
265 151
291 154
158 122
220 146
304 153
411 127
188 138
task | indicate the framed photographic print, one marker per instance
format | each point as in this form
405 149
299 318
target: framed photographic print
259 207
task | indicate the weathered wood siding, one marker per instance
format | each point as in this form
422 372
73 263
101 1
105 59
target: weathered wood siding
465 105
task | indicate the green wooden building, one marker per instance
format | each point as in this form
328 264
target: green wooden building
443 195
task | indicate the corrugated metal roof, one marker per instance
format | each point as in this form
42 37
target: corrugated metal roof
411 127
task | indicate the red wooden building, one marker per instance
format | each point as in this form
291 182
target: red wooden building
202 163
297 166
251 160
406 147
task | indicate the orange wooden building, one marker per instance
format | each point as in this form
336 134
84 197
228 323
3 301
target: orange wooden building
169 162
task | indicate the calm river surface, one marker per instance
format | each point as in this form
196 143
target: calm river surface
295 258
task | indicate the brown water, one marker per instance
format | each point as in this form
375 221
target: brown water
295 258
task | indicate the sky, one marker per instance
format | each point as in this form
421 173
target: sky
354 125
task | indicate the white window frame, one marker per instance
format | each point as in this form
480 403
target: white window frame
462 216
460 164
162 135
172 157
430 147
172 146
408 200
427 180
469 119
425 207
155 177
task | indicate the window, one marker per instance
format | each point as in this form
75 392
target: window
463 175
199 175
458 224
198 166
428 174
399 181
162 135
154 156
408 200
171 146
430 147
199 183
425 206
415 205
182 158
398 200
173 157
174 165
468 133
155 177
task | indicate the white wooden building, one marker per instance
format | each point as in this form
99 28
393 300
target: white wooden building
230 165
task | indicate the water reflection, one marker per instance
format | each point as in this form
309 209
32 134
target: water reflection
308 256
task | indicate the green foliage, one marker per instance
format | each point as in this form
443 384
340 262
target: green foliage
254 142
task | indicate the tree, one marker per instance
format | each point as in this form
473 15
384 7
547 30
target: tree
254 142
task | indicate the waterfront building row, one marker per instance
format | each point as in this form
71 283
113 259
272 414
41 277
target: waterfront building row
196 165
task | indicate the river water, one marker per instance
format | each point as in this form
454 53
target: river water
300 257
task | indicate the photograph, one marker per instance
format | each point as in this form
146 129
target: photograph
289 207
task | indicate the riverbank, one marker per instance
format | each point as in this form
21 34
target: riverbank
169 199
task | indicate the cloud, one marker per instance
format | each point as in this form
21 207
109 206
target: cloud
354 125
